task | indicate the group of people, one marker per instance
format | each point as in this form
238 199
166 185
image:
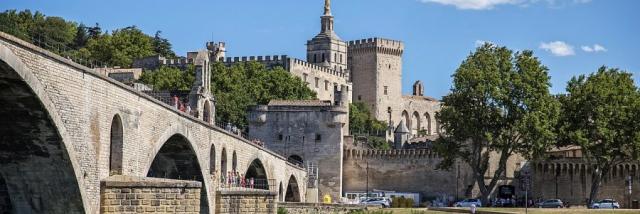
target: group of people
182 105
235 179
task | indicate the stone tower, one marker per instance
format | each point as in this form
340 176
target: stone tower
216 50
200 98
327 49
376 73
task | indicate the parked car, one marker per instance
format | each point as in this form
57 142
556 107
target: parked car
550 203
468 203
376 201
605 204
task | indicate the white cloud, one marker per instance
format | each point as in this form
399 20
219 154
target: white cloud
595 48
490 4
479 43
558 48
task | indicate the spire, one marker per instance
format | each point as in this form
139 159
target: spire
327 7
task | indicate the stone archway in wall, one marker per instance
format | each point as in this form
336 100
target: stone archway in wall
206 114
280 193
427 119
234 162
293 192
416 125
37 171
176 159
223 162
212 160
407 119
116 146
258 174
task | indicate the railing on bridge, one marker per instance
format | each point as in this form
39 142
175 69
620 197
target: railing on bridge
312 174
237 183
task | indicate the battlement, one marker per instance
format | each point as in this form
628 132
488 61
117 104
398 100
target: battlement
274 58
343 73
213 45
390 154
376 43
284 61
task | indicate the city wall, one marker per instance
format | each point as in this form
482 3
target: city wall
256 202
570 180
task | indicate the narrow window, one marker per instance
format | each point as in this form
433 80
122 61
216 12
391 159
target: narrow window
386 90
359 97
315 57
335 57
318 137
340 58
304 77
280 137
322 57
326 85
317 80
389 66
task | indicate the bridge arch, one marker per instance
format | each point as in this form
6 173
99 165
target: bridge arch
35 143
258 173
177 159
212 160
234 162
116 146
293 191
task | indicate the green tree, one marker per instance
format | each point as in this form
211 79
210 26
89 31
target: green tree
169 78
363 124
162 46
242 85
601 114
121 47
499 106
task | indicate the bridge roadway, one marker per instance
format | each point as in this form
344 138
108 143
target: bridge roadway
64 128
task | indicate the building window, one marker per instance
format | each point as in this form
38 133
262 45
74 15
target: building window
389 66
341 58
280 137
386 90
322 57
315 58
317 80
326 85
335 57
304 77
359 97
318 137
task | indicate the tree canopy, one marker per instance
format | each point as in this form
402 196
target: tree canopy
67 38
499 104
362 123
242 85
601 114
169 78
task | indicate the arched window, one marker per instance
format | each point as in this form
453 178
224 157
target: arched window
323 57
223 162
234 162
212 160
415 126
407 120
115 156
427 118
206 114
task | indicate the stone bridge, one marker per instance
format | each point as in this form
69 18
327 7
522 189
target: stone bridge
64 129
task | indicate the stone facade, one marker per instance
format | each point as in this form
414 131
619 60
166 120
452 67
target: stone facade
69 115
308 133
121 194
255 202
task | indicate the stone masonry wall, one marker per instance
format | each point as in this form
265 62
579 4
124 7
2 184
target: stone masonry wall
254 202
122 194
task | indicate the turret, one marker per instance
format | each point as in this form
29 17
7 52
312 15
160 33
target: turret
401 135
418 88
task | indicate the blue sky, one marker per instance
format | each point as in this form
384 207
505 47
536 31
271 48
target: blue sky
571 37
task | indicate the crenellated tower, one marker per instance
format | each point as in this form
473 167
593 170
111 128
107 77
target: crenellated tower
376 73
327 49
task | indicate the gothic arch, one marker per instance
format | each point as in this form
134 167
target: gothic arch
296 159
293 192
257 172
280 193
178 159
212 160
116 146
427 119
234 162
415 120
407 120
31 118
223 162
206 112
